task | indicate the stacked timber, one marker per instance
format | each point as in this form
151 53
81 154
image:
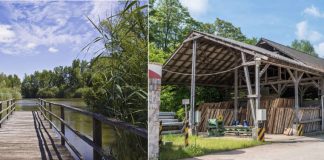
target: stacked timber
311 118
280 114
213 110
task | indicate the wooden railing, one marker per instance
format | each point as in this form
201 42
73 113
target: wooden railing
98 119
8 110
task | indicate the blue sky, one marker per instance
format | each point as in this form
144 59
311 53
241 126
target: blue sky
278 20
41 35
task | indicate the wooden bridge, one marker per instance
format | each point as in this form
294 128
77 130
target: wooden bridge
29 134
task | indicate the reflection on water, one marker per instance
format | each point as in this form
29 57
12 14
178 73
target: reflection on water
77 121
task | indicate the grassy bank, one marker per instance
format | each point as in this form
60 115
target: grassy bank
200 146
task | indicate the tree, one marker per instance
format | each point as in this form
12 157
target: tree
304 46
168 22
228 30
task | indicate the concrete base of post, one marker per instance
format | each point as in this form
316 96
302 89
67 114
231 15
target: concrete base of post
294 128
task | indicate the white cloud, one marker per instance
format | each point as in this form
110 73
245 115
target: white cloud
31 45
303 32
47 24
100 10
52 50
195 7
313 11
319 49
44 24
6 34
301 29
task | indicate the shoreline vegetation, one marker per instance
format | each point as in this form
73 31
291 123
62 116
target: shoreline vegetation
9 87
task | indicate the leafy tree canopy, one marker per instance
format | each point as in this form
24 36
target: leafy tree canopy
304 46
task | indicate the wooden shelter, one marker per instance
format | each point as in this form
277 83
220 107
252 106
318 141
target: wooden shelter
209 60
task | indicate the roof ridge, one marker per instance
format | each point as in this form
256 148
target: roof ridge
300 52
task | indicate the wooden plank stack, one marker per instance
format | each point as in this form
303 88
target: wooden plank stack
280 114
310 114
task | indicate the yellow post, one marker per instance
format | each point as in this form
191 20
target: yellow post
261 132
186 134
300 130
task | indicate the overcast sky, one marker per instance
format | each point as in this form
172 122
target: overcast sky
278 20
42 35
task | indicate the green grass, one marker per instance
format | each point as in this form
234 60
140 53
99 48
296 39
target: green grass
201 146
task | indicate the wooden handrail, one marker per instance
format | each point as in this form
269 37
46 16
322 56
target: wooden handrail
80 135
11 106
109 121
96 143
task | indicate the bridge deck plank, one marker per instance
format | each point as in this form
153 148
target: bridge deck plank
22 137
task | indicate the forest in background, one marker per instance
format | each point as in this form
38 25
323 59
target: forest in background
170 23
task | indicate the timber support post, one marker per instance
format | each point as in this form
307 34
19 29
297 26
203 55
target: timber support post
296 77
193 86
235 93
250 94
259 126
322 101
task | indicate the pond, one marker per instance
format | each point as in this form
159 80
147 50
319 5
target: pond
77 121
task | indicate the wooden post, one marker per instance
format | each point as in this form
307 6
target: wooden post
12 102
322 101
249 88
193 85
97 136
0 111
296 84
257 101
8 104
279 85
44 110
50 115
235 93
41 105
257 83
296 77
62 125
